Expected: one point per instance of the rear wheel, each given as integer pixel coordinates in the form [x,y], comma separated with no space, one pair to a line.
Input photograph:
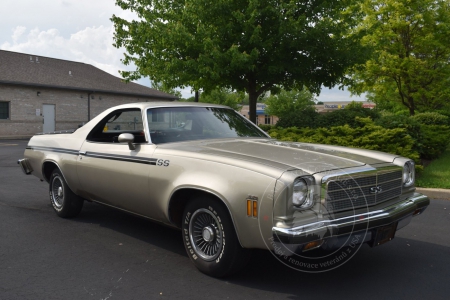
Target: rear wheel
[210,239]
[65,203]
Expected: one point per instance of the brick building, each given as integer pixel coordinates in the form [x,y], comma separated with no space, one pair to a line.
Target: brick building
[331,106]
[261,117]
[41,94]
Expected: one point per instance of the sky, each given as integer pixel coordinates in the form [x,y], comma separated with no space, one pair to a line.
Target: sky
[80,30]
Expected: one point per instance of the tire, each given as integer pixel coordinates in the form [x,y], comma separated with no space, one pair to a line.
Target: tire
[65,203]
[210,239]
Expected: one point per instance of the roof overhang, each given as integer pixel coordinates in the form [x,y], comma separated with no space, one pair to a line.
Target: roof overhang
[170,98]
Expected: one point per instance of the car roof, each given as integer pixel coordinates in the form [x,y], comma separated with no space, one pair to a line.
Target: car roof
[154,104]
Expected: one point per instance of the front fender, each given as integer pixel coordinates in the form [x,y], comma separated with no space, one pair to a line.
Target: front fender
[234,191]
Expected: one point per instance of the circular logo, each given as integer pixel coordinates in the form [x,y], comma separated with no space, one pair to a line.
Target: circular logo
[327,234]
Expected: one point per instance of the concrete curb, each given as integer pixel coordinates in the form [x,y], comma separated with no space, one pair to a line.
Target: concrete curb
[435,193]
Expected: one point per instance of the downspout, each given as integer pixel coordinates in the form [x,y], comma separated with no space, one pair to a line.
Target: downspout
[89,105]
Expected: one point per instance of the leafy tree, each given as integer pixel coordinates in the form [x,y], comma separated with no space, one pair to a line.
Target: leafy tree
[294,108]
[386,100]
[320,103]
[252,46]
[355,106]
[190,99]
[164,88]
[411,52]
[286,102]
[223,96]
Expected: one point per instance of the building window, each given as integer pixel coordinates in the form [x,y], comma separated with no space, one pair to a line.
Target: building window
[4,110]
[267,120]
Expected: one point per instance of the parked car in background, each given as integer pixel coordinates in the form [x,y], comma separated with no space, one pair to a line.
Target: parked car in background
[223,182]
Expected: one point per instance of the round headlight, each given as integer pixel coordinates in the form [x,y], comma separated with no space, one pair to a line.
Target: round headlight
[300,193]
[408,174]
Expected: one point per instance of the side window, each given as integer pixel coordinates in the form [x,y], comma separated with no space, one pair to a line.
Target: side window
[125,121]
[116,123]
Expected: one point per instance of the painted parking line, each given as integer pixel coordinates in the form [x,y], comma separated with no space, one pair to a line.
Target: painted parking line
[8,144]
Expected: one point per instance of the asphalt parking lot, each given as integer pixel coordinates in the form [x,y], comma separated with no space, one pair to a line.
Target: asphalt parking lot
[107,254]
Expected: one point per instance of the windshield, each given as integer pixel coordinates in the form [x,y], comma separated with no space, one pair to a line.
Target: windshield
[176,124]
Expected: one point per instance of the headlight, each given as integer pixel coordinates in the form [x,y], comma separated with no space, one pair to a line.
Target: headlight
[408,174]
[302,195]
[300,192]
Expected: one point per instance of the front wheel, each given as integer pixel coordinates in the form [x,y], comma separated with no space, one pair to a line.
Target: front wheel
[210,239]
[65,203]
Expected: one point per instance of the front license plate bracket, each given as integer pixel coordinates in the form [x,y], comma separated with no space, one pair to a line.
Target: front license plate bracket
[384,234]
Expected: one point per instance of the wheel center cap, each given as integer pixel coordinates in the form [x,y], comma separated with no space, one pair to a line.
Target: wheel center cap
[60,192]
[208,234]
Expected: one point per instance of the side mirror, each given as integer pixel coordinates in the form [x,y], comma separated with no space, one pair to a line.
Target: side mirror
[127,138]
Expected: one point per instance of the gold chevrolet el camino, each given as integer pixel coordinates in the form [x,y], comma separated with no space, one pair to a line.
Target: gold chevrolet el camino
[226,184]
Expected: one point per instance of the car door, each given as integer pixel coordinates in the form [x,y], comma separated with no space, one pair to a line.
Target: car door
[109,171]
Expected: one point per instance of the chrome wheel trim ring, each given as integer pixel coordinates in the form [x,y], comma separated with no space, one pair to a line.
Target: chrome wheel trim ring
[57,192]
[205,234]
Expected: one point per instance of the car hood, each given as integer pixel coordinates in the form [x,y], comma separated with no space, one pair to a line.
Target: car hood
[312,158]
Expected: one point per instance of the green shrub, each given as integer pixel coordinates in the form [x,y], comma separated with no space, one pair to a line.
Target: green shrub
[391,121]
[345,117]
[429,140]
[431,118]
[445,113]
[403,112]
[434,140]
[298,118]
[425,135]
[265,127]
[366,135]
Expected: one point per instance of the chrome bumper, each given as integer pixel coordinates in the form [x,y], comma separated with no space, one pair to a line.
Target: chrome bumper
[401,213]
[25,165]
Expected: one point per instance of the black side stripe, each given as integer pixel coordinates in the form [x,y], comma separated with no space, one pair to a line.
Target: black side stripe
[127,158]
[133,159]
[59,150]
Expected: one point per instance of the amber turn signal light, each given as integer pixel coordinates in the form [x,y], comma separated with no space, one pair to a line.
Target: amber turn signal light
[313,245]
[252,208]
[249,208]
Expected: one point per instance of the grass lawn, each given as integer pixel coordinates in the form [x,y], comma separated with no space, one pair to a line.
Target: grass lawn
[437,173]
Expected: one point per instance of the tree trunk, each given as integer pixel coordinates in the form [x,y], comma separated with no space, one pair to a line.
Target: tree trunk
[411,106]
[252,99]
[196,96]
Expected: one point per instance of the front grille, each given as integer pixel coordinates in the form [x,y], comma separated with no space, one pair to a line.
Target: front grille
[363,191]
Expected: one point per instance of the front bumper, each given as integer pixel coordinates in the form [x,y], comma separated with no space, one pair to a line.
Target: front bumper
[334,232]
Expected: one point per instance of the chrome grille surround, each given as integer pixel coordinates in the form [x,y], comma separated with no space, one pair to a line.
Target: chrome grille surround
[365,189]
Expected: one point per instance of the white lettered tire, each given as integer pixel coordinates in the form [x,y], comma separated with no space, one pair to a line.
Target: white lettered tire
[210,239]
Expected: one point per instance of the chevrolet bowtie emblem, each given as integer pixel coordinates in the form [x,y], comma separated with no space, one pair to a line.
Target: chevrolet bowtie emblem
[375,190]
